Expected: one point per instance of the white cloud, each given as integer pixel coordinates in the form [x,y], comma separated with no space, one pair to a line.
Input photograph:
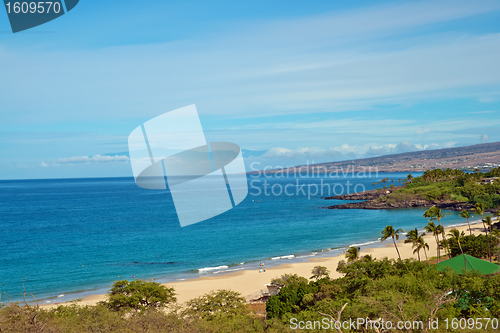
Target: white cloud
[423,130]
[426,146]
[325,63]
[346,151]
[449,144]
[304,153]
[487,99]
[43,165]
[485,138]
[95,159]
[402,147]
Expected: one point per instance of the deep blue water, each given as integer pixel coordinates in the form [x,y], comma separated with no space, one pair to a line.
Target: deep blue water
[79,235]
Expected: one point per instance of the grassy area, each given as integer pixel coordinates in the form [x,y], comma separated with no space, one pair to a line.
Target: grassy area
[450,185]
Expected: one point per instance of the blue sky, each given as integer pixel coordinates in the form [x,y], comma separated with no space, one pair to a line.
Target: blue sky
[303,81]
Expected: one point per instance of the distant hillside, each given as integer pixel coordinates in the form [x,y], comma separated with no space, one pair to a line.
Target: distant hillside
[483,156]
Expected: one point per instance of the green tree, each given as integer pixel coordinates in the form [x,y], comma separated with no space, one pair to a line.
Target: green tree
[437,213]
[422,245]
[139,295]
[497,215]
[476,246]
[389,231]
[488,221]
[466,215]
[215,304]
[352,253]
[480,208]
[319,272]
[288,279]
[435,230]
[496,233]
[455,234]
[412,237]
[409,177]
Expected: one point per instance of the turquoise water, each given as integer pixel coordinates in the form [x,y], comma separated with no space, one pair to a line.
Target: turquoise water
[77,236]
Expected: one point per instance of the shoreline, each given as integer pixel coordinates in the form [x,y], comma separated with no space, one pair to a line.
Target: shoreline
[251,283]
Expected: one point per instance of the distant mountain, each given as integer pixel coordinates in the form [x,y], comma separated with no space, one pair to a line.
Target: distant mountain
[482,156]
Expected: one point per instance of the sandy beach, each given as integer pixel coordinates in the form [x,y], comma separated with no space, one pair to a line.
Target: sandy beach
[251,283]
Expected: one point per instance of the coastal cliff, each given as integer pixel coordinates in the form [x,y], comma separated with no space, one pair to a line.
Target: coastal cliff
[382,199]
[447,189]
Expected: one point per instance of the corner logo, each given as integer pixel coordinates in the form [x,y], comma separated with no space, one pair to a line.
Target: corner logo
[205,179]
[25,15]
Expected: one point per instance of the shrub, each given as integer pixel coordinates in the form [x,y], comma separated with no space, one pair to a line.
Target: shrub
[319,272]
[215,304]
[287,279]
[476,246]
[139,295]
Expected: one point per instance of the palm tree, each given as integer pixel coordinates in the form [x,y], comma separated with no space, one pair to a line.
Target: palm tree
[496,233]
[497,215]
[435,230]
[389,231]
[445,245]
[409,177]
[422,245]
[488,221]
[454,233]
[466,215]
[352,254]
[437,213]
[480,208]
[412,237]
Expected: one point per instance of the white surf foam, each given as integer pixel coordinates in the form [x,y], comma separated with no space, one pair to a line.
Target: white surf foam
[208,269]
[290,256]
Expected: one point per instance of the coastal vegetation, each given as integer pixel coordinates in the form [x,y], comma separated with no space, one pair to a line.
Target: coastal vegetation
[435,230]
[218,311]
[417,241]
[377,290]
[390,290]
[390,232]
[352,253]
[454,185]
[476,246]
[444,188]
[139,295]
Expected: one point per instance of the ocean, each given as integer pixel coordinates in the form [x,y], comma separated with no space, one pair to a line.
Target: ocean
[67,238]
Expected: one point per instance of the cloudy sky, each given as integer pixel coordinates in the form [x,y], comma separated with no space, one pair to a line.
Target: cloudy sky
[294,81]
